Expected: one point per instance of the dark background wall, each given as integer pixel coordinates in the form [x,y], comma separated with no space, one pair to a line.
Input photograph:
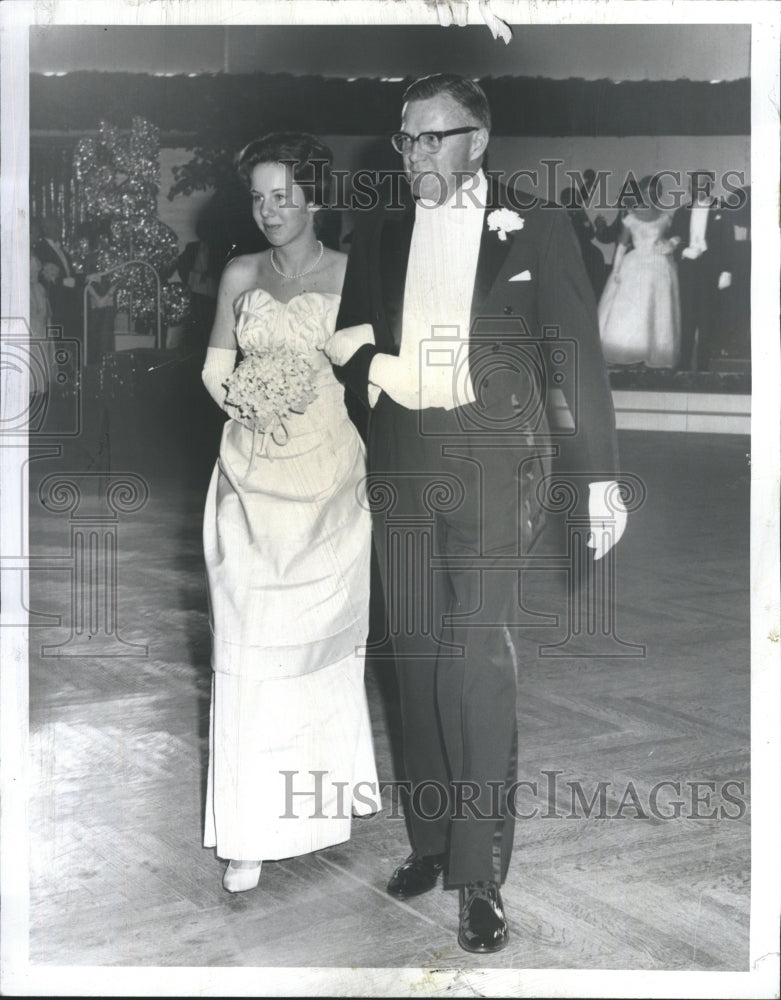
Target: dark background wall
[612,97]
[592,52]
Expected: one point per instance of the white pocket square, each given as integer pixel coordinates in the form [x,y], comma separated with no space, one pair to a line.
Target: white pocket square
[523,276]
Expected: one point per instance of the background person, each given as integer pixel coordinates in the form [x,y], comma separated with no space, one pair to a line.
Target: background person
[705,255]
[639,312]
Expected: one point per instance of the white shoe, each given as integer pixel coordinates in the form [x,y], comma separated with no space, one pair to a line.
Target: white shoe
[241,879]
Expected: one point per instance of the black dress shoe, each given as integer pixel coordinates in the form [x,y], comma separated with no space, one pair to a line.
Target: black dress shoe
[416,875]
[482,925]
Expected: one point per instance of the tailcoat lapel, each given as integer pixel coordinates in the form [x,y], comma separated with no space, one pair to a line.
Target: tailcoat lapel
[493,251]
[394,253]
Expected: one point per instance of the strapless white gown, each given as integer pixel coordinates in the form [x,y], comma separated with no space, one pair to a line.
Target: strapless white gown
[287,550]
[640,312]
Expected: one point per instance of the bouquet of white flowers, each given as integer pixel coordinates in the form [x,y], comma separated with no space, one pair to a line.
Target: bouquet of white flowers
[268,386]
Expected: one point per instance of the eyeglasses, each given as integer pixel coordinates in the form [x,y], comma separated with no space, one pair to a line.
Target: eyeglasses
[430,142]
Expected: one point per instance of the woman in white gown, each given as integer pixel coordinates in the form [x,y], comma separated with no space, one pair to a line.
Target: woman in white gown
[287,547]
[639,311]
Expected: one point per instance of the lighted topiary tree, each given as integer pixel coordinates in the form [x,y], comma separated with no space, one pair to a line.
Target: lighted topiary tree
[117,177]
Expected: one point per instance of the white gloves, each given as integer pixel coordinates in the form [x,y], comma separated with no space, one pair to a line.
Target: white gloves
[402,378]
[341,346]
[219,365]
[386,372]
[607,516]
[607,513]
[397,379]
[692,252]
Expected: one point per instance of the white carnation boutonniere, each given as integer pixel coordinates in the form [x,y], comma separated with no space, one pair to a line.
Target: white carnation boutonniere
[504,221]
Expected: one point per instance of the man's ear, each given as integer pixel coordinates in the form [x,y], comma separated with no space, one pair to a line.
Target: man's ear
[479,143]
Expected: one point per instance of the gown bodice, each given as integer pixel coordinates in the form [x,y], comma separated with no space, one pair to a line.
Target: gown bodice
[304,324]
[648,235]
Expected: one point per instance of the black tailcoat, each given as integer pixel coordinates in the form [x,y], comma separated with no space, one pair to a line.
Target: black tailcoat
[456,494]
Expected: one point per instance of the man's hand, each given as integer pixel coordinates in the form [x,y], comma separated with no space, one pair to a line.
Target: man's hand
[725,280]
[396,379]
[341,346]
[607,516]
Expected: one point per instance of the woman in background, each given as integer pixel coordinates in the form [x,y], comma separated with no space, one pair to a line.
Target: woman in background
[286,542]
[639,311]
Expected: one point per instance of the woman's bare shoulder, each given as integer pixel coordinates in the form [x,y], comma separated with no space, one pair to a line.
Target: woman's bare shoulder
[242,272]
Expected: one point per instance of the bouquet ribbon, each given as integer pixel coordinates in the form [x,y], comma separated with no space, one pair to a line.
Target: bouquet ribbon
[266,438]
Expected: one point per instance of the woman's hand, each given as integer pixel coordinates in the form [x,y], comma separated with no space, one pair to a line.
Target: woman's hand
[343,344]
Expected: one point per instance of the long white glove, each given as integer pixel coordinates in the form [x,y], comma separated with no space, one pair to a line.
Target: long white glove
[219,364]
[607,516]
[386,371]
[341,346]
[397,378]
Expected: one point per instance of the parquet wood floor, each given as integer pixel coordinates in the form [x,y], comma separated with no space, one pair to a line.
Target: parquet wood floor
[118,756]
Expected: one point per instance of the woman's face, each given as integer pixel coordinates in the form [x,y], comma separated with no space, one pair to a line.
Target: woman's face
[279,205]
[645,194]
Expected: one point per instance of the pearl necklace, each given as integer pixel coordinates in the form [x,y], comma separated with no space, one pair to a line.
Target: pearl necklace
[300,274]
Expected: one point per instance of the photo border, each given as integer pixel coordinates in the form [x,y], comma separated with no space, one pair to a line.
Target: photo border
[19,977]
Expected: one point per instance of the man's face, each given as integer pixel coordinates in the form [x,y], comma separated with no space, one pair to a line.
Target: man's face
[701,186]
[437,175]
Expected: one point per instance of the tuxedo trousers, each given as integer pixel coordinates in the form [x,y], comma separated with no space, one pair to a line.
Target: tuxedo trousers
[446,534]
[698,282]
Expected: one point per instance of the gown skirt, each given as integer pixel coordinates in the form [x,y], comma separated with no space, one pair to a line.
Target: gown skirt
[287,551]
[639,311]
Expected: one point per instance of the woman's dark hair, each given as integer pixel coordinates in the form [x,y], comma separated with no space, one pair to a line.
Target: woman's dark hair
[462,90]
[308,158]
